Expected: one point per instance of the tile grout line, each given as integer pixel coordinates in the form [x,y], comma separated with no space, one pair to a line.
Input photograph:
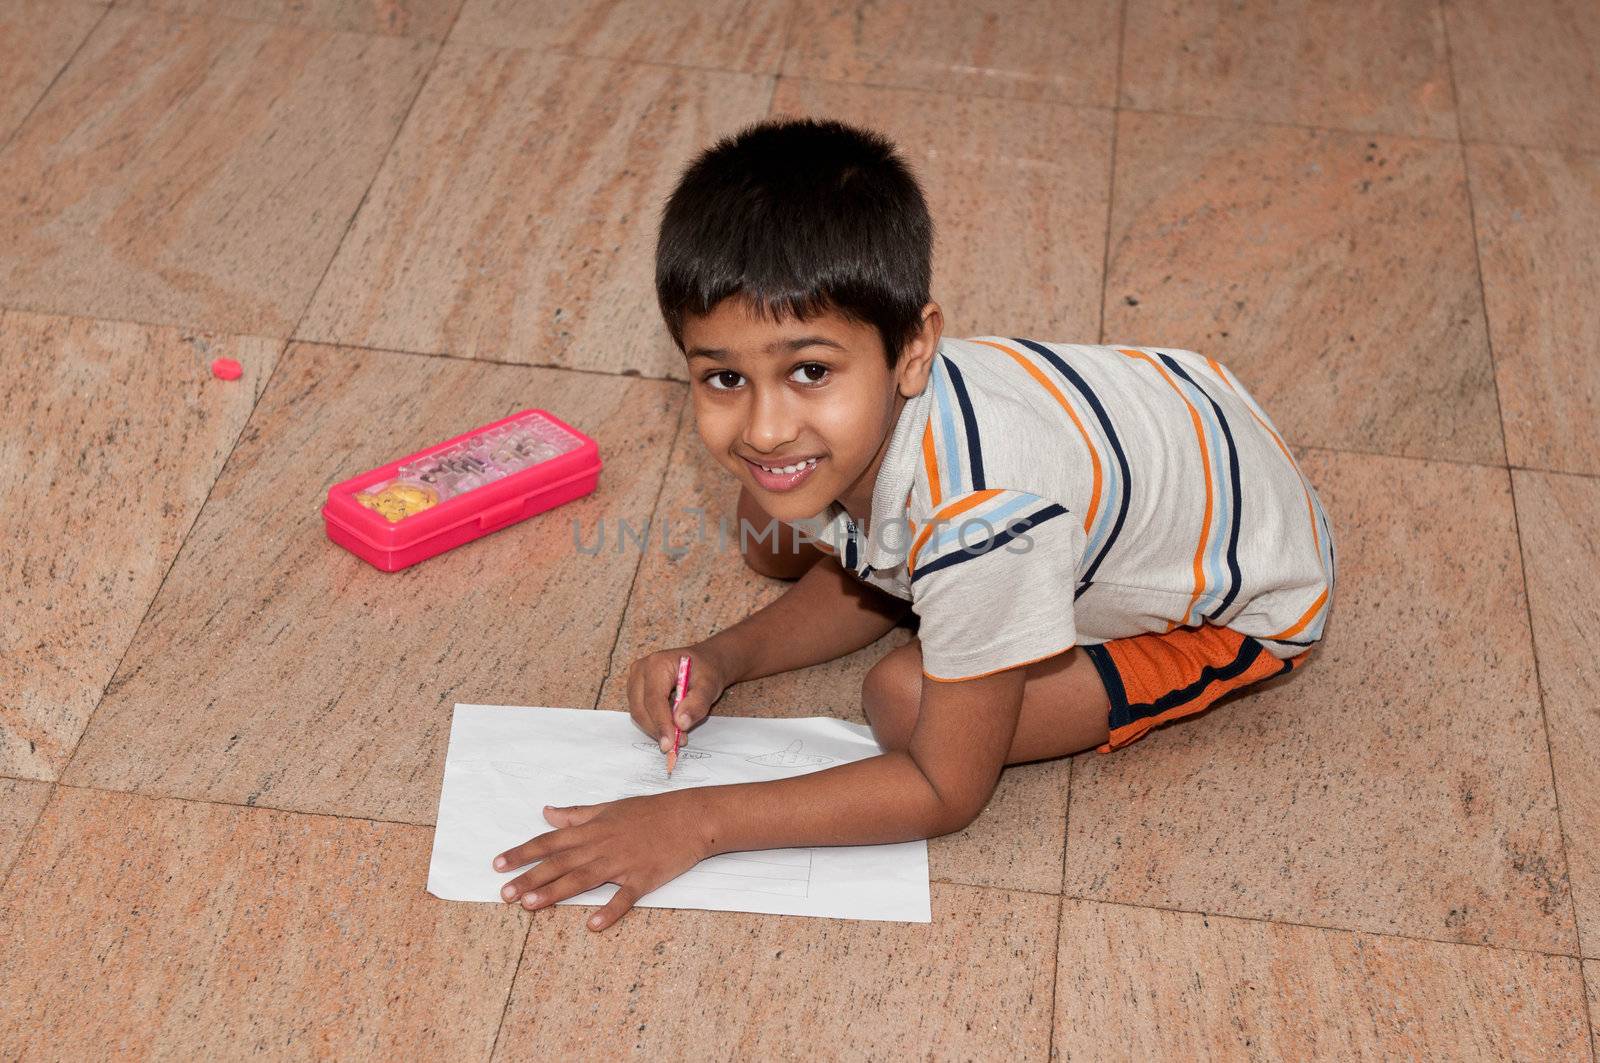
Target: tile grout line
[1296,445]
[1100,337]
[51,86]
[1516,523]
[27,835]
[1576,957]
[655,509]
[377,171]
[244,427]
[622,615]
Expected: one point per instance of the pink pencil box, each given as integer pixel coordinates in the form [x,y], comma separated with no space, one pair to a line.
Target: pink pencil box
[462,489]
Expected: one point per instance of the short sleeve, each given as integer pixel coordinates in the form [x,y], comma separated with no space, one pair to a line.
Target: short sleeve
[992,582]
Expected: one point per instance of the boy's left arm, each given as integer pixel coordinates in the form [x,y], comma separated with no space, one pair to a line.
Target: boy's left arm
[938,785]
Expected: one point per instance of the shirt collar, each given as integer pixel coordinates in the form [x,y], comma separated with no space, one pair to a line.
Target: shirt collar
[890,538]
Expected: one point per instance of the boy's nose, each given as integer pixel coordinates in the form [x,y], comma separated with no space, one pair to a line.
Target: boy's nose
[771,426]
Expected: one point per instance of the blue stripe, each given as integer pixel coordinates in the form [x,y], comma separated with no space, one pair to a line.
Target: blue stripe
[1234,497]
[974,450]
[951,472]
[994,543]
[1123,476]
[992,517]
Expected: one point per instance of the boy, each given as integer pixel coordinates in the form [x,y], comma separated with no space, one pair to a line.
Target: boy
[1095,540]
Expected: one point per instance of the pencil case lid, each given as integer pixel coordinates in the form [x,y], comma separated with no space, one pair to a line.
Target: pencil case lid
[485,477]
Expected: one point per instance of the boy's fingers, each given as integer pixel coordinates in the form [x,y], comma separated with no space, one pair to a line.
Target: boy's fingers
[614,908]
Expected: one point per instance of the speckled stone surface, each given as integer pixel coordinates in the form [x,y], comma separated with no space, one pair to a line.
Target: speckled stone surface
[1369,65]
[1018,195]
[1138,983]
[20,804]
[665,984]
[1538,217]
[703,586]
[743,35]
[277,668]
[1560,521]
[182,930]
[37,37]
[113,434]
[1399,782]
[1333,272]
[1024,49]
[401,18]
[1527,73]
[516,217]
[198,172]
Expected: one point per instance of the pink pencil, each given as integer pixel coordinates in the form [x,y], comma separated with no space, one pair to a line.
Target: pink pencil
[683,688]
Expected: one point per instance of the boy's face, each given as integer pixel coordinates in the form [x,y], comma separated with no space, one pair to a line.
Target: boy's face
[818,394]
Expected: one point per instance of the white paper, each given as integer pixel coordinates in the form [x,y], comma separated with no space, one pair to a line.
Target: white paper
[505,764]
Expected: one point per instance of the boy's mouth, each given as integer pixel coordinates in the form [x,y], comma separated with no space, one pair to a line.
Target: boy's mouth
[783,477]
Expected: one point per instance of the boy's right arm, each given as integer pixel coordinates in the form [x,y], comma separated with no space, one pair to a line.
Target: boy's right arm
[827,613]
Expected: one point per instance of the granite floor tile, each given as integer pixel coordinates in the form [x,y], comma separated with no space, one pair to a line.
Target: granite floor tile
[1024,49]
[1370,65]
[114,434]
[741,35]
[1527,73]
[973,984]
[399,18]
[703,586]
[1333,272]
[154,929]
[37,37]
[1559,520]
[1399,782]
[1142,983]
[20,804]
[516,217]
[198,172]
[277,668]
[1538,219]
[1018,194]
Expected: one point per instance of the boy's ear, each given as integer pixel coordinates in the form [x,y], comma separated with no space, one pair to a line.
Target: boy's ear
[916,360]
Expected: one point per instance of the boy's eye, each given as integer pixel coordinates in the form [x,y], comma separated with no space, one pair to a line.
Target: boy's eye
[711,379]
[812,373]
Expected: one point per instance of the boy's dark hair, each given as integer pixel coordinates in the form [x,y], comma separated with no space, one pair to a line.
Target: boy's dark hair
[799,216]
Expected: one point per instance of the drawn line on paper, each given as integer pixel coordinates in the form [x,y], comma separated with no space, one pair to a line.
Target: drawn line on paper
[791,756]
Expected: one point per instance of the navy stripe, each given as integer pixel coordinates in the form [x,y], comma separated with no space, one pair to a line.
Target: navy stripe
[974,451]
[1293,642]
[965,553]
[1089,396]
[1238,496]
[1111,679]
[1249,650]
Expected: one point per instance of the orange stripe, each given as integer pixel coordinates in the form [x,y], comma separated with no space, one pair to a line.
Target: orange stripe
[966,503]
[1094,455]
[930,463]
[1311,512]
[1205,465]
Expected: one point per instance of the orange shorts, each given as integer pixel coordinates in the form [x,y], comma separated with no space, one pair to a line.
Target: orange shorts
[1153,679]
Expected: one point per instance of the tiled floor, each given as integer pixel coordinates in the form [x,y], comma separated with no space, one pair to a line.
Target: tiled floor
[221,737]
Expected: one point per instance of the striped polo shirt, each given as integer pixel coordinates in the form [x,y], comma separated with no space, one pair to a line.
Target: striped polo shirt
[1037,496]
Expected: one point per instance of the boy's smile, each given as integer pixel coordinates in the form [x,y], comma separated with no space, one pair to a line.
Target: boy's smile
[798,411]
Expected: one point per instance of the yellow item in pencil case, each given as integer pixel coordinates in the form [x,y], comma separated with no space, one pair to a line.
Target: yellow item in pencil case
[399,500]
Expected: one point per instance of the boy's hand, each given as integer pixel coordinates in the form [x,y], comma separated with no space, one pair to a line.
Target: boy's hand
[639,843]
[653,679]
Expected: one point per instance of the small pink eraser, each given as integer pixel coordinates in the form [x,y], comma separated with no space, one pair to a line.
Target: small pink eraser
[226,369]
